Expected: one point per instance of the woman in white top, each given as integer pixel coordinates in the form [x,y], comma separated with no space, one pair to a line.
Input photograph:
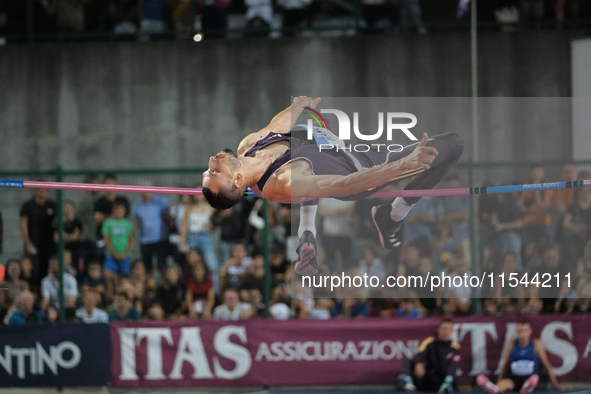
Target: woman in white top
[196,231]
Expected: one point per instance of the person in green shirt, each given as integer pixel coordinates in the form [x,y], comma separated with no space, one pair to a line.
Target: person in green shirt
[118,237]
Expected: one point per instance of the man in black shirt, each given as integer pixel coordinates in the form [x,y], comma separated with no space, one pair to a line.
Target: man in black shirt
[36,225]
[434,368]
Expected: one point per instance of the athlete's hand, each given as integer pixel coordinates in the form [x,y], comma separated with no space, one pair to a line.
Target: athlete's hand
[305,101]
[421,157]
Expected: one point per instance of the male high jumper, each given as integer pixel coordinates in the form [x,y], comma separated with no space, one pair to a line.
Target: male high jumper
[283,166]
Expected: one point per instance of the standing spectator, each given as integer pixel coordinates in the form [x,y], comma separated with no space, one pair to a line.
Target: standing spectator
[536,208]
[196,231]
[563,198]
[508,221]
[118,238]
[85,214]
[103,206]
[72,234]
[122,309]
[232,223]
[177,213]
[26,313]
[577,225]
[28,274]
[279,264]
[89,313]
[36,226]
[231,309]
[259,15]
[294,13]
[12,283]
[50,287]
[171,294]
[200,295]
[151,215]
[454,211]
[214,19]
[488,204]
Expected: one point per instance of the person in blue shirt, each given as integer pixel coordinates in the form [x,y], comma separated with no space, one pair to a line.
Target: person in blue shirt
[151,215]
[522,359]
[26,314]
[407,309]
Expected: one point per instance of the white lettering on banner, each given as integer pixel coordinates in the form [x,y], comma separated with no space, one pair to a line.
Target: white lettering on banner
[345,125]
[189,349]
[228,349]
[585,353]
[478,333]
[154,338]
[39,358]
[559,347]
[194,355]
[335,350]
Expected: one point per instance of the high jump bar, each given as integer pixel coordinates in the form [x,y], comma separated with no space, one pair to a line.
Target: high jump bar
[378,194]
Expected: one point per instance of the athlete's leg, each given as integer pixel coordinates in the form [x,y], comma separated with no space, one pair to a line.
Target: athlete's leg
[306,263]
[388,218]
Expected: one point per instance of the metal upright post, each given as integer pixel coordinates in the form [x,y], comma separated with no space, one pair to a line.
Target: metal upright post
[60,244]
[266,252]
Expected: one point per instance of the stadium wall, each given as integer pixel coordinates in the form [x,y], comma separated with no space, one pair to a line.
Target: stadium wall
[89,104]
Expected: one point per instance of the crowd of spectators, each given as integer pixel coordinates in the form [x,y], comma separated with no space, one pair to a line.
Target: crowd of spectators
[148,258]
[185,17]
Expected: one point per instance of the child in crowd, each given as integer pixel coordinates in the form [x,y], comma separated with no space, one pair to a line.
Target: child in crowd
[118,237]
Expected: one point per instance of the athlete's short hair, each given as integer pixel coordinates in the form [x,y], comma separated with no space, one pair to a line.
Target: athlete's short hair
[225,198]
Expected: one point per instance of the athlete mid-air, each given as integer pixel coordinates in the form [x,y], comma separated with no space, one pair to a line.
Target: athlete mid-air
[281,165]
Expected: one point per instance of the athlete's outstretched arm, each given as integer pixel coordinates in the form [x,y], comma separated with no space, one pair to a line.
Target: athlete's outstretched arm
[282,122]
[301,187]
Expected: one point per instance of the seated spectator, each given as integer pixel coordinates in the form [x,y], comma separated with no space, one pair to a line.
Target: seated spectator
[350,307]
[563,198]
[26,314]
[508,267]
[583,271]
[12,284]
[154,16]
[520,367]
[370,265]
[294,13]
[321,309]
[418,223]
[280,311]
[28,273]
[551,268]
[434,368]
[231,309]
[122,309]
[118,237]
[259,15]
[257,308]
[94,279]
[154,311]
[577,225]
[89,313]
[139,286]
[235,267]
[454,212]
[459,296]
[200,295]
[194,257]
[254,277]
[408,308]
[171,294]
[279,264]
[50,287]
[52,314]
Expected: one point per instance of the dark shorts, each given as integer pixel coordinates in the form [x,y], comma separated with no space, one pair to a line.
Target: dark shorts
[518,381]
